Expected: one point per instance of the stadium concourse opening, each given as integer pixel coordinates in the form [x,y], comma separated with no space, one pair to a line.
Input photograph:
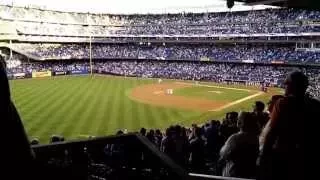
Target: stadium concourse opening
[237,92]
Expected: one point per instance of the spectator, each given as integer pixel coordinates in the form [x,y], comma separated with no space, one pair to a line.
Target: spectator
[56,138]
[272,102]
[229,125]
[191,135]
[181,145]
[196,148]
[240,151]
[16,155]
[150,136]
[259,115]
[158,137]
[283,151]
[143,131]
[167,144]
[119,132]
[212,136]
[34,141]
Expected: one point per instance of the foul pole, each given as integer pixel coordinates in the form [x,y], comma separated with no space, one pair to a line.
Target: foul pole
[90,55]
[90,45]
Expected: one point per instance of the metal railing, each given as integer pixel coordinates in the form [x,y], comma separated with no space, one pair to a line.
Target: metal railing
[212,177]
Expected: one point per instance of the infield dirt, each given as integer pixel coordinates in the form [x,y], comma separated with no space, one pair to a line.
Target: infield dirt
[155,94]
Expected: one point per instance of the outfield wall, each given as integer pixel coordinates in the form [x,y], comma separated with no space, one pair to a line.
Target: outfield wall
[41,74]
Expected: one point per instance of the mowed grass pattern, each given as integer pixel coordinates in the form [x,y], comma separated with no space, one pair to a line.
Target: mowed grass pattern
[213,93]
[79,106]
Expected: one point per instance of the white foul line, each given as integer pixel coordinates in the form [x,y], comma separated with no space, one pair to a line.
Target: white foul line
[237,101]
[221,87]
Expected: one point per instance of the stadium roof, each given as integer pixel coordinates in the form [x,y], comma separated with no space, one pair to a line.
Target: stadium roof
[133,6]
[305,4]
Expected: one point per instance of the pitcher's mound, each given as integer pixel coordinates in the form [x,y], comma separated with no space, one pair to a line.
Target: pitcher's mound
[162,95]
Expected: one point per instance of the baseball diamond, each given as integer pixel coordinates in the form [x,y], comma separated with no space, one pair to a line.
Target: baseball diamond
[105,104]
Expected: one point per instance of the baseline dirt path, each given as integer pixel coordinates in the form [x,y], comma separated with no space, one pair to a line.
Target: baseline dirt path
[155,94]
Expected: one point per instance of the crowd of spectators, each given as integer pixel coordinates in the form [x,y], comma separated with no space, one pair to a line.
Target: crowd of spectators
[39,15]
[55,67]
[35,28]
[204,148]
[42,22]
[205,71]
[264,54]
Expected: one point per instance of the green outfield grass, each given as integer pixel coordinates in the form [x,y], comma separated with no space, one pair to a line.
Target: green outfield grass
[79,106]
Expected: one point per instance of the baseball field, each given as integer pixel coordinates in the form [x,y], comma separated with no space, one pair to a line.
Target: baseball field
[81,106]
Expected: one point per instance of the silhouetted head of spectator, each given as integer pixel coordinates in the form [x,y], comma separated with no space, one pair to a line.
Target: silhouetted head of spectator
[143,131]
[258,107]
[296,84]
[246,123]
[119,132]
[56,138]
[207,125]
[183,132]
[169,132]
[158,132]
[218,123]
[177,130]
[227,116]
[62,138]
[213,122]
[272,101]
[34,141]
[188,131]
[197,132]
[150,133]
[233,115]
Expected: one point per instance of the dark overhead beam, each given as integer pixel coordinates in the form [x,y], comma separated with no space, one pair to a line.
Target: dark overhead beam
[300,4]
[265,2]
